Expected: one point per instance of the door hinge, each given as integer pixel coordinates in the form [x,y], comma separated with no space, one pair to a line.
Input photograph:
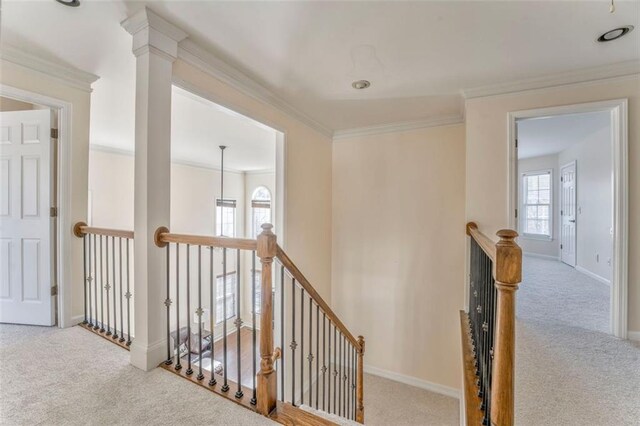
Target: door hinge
[53,212]
[516,213]
[561,179]
[54,133]
[560,246]
[54,290]
[561,213]
[516,142]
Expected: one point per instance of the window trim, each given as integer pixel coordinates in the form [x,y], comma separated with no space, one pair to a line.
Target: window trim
[227,203]
[522,215]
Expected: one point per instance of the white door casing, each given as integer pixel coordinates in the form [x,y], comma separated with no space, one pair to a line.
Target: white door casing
[568,213]
[25,223]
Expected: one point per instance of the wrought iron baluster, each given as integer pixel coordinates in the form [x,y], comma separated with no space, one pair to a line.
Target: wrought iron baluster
[293,344]
[107,287]
[225,384]
[188,255]
[238,323]
[341,373]
[199,312]
[310,356]
[178,331]
[335,371]
[301,345]
[115,309]
[282,319]
[324,360]
[212,307]
[128,296]
[121,294]
[167,303]
[89,280]
[317,354]
[253,326]
[86,277]
[101,286]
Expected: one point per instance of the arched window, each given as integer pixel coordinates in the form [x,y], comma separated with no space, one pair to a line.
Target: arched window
[260,209]
[260,214]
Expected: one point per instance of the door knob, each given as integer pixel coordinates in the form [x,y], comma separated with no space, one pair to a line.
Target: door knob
[572,220]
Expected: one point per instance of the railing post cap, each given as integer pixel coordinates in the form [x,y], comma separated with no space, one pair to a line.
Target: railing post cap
[507,234]
[158,234]
[267,228]
[470,226]
[361,343]
[77,229]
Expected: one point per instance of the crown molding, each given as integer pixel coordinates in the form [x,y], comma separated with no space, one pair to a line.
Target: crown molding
[444,120]
[66,74]
[198,57]
[620,69]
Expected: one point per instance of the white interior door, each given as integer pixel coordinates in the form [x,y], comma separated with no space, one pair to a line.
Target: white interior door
[25,225]
[568,214]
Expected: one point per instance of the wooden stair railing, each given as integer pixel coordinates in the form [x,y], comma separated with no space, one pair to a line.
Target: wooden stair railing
[488,328]
[277,388]
[107,288]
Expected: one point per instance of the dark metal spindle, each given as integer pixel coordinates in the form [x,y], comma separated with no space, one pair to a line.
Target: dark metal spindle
[95,280]
[281,329]
[178,363]
[121,294]
[293,344]
[199,312]
[86,277]
[212,307]
[115,309]
[238,322]
[128,297]
[317,354]
[324,360]
[225,385]
[301,345]
[167,303]
[89,280]
[253,326]
[107,286]
[188,254]
[335,371]
[340,381]
[101,287]
[310,356]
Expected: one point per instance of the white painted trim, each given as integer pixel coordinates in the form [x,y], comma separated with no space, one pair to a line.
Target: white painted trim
[65,128]
[194,55]
[596,277]
[587,75]
[634,335]
[445,120]
[541,256]
[620,166]
[65,74]
[413,381]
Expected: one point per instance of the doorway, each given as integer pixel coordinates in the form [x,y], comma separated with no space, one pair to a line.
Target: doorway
[589,239]
[28,196]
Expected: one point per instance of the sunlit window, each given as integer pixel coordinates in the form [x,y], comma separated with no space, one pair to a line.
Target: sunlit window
[536,208]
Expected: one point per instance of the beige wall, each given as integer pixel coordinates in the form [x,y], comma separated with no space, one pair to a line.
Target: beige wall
[8,104]
[307,181]
[399,247]
[487,162]
[25,79]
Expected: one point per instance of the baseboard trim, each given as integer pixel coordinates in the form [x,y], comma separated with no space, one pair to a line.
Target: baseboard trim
[592,275]
[75,320]
[541,256]
[633,335]
[413,381]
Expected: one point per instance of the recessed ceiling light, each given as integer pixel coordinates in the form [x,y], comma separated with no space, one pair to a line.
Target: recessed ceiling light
[361,84]
[615,34]
[70,3]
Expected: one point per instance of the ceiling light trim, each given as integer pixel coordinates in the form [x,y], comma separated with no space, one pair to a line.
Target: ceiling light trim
[194,55]
[444,120]
[66,74]
[621,69]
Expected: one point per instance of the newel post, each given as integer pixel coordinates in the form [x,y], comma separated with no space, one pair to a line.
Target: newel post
[267,381]
[508,274]
[360,382]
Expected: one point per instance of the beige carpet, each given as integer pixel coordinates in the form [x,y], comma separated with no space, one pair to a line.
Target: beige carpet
[50,376]
[569,371]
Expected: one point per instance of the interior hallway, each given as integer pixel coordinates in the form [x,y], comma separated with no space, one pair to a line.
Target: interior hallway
[568,368]
[69,376]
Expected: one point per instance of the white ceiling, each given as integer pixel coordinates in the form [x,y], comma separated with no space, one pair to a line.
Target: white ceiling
[199,127]
[417,55]
[551,135]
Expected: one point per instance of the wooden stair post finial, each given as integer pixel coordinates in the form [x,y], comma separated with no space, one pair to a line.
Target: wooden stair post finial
[360,382]
[508,274]
[267,249]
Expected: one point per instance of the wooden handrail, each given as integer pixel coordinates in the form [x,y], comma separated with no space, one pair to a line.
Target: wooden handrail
[486,243]
[81,229]
[304,283]
[163,237]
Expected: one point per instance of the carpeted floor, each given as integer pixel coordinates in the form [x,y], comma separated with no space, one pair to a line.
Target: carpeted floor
[569,371]
[50,376]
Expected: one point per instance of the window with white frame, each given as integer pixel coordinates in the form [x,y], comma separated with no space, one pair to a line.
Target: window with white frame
[226,217]
[228,296]
[260,209]
[536,204]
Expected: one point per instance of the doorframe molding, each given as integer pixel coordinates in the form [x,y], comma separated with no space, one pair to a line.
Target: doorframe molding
[573,163]
[618,108]
[65,112]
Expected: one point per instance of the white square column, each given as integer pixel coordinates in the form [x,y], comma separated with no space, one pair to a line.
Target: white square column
[155,45]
